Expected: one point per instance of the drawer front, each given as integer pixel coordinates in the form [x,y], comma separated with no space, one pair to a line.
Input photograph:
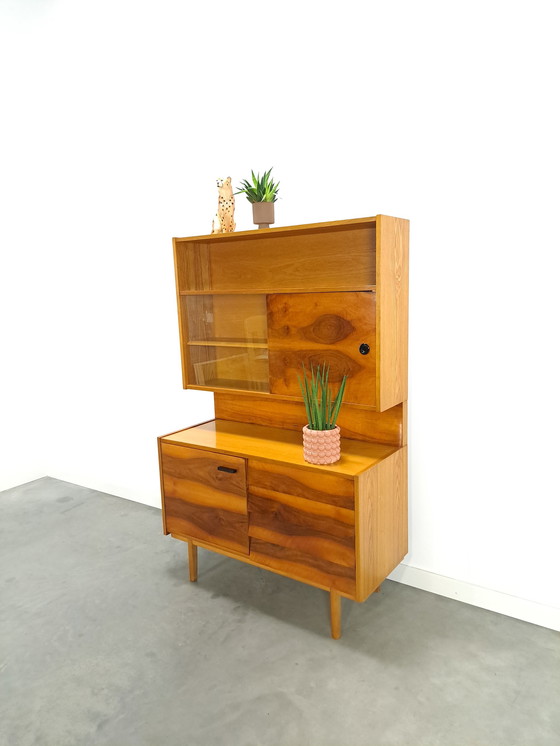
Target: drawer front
[311,484]
[294,532]
[304,567]
[205,496]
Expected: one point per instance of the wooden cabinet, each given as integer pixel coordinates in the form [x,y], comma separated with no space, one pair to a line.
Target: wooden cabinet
[339,527]
[253,308]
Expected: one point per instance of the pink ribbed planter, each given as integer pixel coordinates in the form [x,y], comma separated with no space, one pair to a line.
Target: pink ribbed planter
[321,446]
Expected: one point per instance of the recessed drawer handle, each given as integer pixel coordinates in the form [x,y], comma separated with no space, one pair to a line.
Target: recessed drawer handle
[226,468]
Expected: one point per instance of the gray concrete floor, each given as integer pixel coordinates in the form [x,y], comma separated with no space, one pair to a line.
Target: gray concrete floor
[104,641]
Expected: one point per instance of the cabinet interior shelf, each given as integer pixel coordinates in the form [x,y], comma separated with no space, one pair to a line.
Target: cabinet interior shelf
[241,386]
[268,291]
[228,343]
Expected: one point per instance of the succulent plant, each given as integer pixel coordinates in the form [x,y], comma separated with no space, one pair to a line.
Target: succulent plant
[263,189]
[322,409]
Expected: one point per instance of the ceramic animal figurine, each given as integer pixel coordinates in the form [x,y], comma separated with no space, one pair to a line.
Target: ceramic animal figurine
[223,221]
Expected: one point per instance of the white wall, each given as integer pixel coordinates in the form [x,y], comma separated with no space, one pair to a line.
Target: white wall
[25,242]
[121,114]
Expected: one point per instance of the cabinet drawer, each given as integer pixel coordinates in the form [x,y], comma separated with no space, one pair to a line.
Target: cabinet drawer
[311,538]
[311,484]
[205,496]
[305,567]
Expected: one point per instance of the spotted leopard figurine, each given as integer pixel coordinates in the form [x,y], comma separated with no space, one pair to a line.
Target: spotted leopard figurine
[223,221]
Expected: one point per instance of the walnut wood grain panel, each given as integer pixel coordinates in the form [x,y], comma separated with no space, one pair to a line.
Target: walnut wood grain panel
[356,422]
[250,561]
[296,260]
[344,515]
[381,520]
[316,328]
[220,527]
[200,500]
[192,471]
[294,524]
[317,486]
[392,311]
[302,566]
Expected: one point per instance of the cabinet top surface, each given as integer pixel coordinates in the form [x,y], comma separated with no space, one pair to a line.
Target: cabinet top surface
[285,230]
[275,444]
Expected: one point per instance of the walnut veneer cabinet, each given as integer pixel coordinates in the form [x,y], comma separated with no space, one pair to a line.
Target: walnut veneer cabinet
[253,306]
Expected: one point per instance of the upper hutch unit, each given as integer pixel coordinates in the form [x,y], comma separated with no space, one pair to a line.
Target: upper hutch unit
[254,307]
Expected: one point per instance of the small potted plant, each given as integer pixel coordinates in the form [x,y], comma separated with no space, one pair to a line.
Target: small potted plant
[262,194]
[321,435]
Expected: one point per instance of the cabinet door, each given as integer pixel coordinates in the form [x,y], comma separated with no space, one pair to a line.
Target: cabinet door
[315,328]
[205,496]
[223,339]
[302,523]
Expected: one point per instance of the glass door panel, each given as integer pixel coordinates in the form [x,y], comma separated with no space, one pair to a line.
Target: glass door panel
[226,341]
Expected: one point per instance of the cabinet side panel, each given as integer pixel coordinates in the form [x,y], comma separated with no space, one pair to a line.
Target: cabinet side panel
[381,521]
[179,263]
[165,531]
[404,430]
[192,262]
[358,423]
[392,311]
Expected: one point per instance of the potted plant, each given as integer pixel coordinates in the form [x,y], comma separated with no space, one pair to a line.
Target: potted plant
[321,435]
[262,193]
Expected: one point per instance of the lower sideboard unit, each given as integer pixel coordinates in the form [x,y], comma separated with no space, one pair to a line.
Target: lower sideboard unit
[244,490]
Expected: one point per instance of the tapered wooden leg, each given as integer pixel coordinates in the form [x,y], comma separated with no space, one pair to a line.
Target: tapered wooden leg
[378,589]
[335,615]
[193,562]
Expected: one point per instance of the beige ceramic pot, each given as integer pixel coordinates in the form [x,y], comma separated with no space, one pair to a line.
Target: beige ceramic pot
[321,446]
[263,214]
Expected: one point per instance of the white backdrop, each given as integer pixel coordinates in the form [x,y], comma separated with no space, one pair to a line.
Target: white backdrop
[117,117]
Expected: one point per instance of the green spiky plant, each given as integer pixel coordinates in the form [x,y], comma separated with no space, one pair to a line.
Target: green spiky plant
[322,409]
[263,189]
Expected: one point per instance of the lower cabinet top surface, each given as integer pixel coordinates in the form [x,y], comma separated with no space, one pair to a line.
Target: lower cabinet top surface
[276,444]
